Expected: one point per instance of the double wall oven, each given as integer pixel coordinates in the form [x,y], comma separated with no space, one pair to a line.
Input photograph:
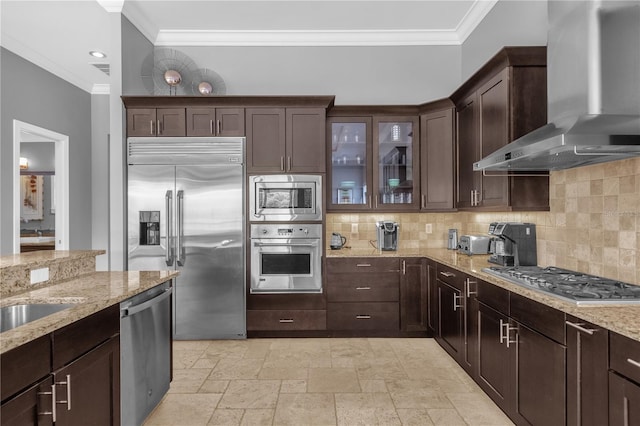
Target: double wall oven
[286,233]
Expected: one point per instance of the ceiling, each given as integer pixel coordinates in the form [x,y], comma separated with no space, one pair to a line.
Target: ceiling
[57,35]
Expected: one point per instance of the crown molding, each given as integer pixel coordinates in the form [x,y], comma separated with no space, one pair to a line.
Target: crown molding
[473,17]
[101,89]
[112,6]
[306,38]
[400,37]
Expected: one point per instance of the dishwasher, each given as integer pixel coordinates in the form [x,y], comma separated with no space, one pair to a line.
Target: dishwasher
[145,352]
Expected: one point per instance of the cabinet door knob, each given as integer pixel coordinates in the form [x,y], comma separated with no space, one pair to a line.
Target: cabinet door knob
[447,274]
[363,316]
[363,288]
[211,127]
[285,321]
[468,283]
[53,403]
[218,127]
[363,265]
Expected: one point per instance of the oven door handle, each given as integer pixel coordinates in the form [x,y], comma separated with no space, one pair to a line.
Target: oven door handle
[256,244]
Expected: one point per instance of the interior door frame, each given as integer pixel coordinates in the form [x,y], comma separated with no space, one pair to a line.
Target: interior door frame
[61,181]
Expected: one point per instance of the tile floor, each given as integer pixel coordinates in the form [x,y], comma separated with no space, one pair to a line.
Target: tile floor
[355,381]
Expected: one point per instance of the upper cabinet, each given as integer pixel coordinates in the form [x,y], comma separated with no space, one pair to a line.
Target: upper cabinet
[287,140]
[437,151]
[504,100]
[373,162]
[156,122]
[207,121]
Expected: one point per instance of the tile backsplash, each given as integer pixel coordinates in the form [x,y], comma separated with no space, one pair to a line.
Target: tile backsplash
[593,225]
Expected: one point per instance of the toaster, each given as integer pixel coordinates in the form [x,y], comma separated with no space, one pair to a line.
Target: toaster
[474,244]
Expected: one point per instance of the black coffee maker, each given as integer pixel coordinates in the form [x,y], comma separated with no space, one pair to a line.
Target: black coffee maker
[387,235]
[513,244]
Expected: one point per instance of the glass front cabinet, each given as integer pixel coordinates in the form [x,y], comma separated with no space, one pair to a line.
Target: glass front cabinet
[374,163]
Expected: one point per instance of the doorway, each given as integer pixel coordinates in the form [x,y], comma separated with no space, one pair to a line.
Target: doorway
[24,133]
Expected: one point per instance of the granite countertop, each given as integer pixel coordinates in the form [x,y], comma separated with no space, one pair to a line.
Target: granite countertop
[622,319]
[91,292]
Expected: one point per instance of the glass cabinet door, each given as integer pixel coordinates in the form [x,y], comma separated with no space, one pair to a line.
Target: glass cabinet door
[396,171]
[350,156]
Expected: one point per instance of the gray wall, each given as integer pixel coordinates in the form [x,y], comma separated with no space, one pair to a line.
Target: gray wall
[135,48]
[100,177]
[509,23]
[35,96]
[369,75]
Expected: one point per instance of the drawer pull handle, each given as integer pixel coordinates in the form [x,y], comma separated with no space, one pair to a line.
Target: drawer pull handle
[633,362]
[363,316]
[53,403]
[363,265]
[285,321]
[363,288]
[447,274]
[579,327]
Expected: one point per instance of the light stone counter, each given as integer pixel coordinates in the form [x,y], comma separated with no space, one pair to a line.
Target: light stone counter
[72,279]
[622,319]
[90,292]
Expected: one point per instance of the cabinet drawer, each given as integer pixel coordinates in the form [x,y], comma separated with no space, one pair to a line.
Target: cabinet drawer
[541,318]
[363,316]
[451,276]
[624,356]
[494,296]
[81,336]
[361,288]
[24,365]
[286,320]
[362,264]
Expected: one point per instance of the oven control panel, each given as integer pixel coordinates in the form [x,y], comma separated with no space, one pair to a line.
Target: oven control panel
[286,231]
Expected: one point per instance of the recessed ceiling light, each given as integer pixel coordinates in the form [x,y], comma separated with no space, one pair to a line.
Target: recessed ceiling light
[97,54]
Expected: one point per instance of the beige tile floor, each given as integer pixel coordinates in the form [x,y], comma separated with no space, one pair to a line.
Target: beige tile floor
[355,381]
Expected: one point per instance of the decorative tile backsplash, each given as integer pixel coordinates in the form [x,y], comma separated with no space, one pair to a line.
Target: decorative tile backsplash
[593,225]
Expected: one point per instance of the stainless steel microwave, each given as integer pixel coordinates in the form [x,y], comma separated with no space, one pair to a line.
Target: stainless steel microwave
[285,198]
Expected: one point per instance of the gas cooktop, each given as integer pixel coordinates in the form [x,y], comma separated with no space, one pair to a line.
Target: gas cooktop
[581,289]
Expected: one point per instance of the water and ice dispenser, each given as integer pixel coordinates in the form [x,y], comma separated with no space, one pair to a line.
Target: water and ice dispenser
[149,228]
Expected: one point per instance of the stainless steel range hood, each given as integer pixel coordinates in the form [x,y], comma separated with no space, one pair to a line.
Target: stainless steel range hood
[593,90]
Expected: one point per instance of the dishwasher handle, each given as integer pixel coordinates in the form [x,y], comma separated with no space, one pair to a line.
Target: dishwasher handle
[132,310]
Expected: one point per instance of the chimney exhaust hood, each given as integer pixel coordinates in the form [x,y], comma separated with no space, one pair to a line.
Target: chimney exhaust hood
[593,90]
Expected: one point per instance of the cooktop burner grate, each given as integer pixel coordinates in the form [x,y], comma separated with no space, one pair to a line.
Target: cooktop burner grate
[576,287]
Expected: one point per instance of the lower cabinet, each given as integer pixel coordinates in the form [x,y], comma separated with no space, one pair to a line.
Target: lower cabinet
[522,370]
[450,284]
[88,389]
[363,294]
[286,320]
[29,408]
[587,373]
[78,377]
[624,379]
[414,295]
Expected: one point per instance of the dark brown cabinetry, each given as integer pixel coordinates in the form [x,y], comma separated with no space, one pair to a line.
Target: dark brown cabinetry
[373,159]
[78,365]
[450,334]
[206,121]
[156,122]
[414,295]
[285,140]
[504,100]
[624,379]
[432,291]
[587,373]
[286,320]
[437,157]
[363,294]
[520,368]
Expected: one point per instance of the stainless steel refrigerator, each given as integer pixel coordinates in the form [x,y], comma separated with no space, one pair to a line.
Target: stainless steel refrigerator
[186,212]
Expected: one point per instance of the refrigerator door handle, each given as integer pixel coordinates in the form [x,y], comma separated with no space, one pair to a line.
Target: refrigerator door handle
[168,198]
[179,231]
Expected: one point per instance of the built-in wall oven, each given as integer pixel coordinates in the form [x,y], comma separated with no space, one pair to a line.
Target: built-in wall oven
[285,198]
[286,258]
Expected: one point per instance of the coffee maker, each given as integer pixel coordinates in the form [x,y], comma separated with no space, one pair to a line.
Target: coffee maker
[513,244]
[387,235]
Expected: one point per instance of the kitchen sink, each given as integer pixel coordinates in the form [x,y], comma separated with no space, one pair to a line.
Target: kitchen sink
[17,315]
[32,240]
